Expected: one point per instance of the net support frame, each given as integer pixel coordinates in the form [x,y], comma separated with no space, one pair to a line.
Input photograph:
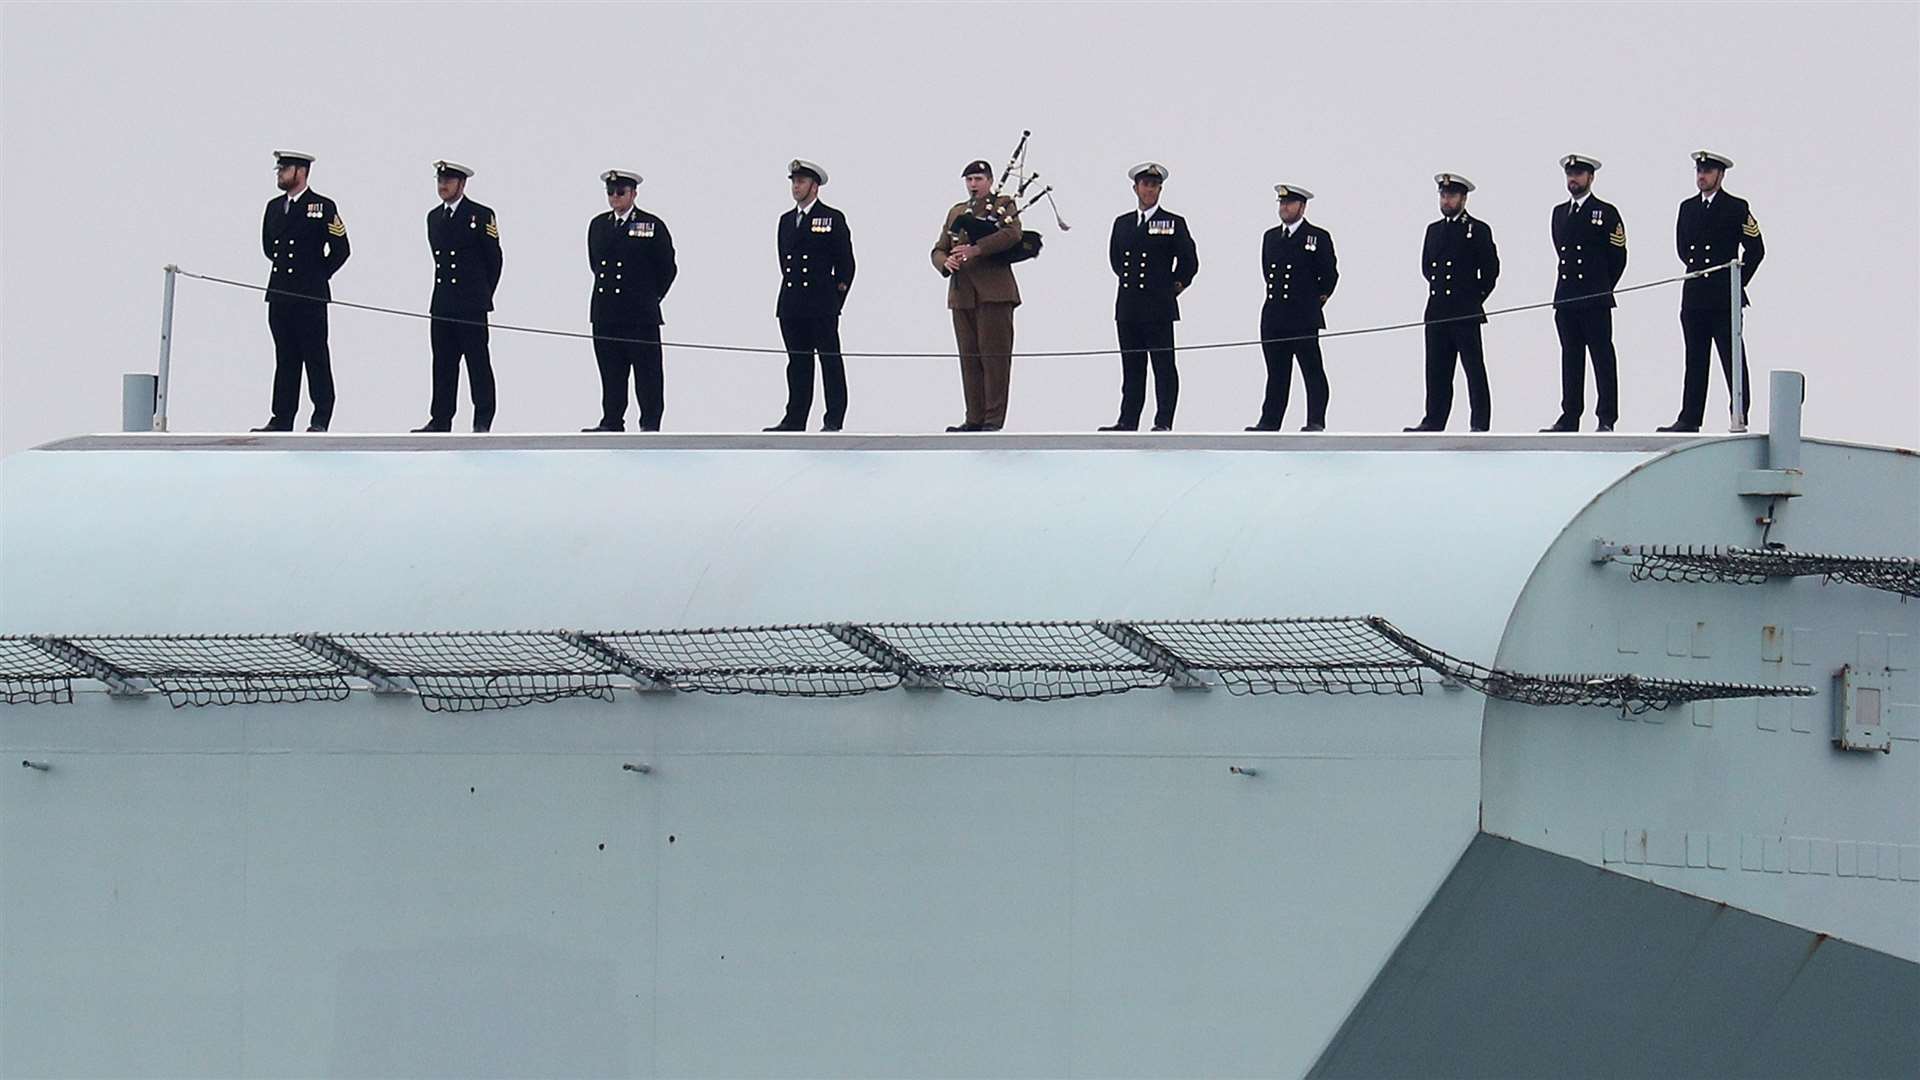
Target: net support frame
[118,681]
[352,663]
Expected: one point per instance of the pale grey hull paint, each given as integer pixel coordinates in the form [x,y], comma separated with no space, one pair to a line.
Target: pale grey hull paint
[902,884]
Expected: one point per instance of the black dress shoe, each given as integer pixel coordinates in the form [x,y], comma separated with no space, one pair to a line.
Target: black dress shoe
[1678,427]
[1423,427]
[1561,427]
[317,428]
[1478,430]
[1120,427]
[431,427]
[1313,427]
[482,429]
[605,427]
[271,426]
[967,427]
[1163,427]
[646,427]
[991,427]
[829,427]
[785,426]
[1603,426]
[1263,427]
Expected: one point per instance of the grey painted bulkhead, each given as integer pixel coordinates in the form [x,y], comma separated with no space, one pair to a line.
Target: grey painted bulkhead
[1745,801]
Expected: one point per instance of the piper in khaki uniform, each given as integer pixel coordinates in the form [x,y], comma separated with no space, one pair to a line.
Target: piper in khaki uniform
[982,293]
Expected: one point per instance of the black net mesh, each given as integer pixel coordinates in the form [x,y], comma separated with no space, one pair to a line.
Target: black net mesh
[1629,693]
[1292,656]
[1020,661]
[1004,661]
[1752,566]
[462,672]
[222,670]
[29,675]
[791,661]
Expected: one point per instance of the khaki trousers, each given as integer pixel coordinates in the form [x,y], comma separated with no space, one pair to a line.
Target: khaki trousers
[985,336]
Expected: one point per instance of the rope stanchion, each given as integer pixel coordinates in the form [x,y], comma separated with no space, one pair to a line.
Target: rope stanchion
[1055,354]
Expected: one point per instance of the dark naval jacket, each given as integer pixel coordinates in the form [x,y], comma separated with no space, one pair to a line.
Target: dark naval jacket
[816,263]
[466,258]
[1461,266]
[1300,269]
[1592,245]
[633,268]
[1154,260]
[306,241]
[1709,235]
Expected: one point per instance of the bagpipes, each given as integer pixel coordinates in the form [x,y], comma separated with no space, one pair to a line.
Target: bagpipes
[972,229]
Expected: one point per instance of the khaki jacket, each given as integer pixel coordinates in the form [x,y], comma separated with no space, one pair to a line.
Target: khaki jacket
[983,280]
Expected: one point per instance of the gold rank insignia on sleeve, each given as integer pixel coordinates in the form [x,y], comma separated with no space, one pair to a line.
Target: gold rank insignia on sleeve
[1619,236]
[493,228]
[1752,227]
[337,227]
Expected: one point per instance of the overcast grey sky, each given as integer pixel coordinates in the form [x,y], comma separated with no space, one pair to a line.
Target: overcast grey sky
[137,135]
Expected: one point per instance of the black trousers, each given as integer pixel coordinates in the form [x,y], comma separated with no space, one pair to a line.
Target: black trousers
[451,342]
[1141,342]
[1446,343]
[639,357]
[1585,330]
[299,330]
[1704,330]
[1280,356]
[804,336]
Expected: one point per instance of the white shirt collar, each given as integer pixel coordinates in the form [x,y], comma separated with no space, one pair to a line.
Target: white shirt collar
[806,208]
[622,218]
[455,204]
[1581,201]
[1707,197]
[294,195]
[1148,212]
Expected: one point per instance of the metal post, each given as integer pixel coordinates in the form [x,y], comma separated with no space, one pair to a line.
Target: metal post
[136,401]
[166,351]
[1785,392]
[1737,359]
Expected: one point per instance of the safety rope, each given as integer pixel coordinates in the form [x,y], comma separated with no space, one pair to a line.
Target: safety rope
[764,350]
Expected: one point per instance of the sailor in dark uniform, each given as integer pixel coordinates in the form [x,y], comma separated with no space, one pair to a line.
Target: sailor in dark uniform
[1296,256]
[465,238]
[1714,227]
[1152,254]
[304,237]
[1461,265]
[816,269]
[1591,242]
[631,255]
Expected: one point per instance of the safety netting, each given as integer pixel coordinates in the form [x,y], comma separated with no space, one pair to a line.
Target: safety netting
[466,672]
[1631,694]
[1003,661]
[1754,566]
[31,675]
